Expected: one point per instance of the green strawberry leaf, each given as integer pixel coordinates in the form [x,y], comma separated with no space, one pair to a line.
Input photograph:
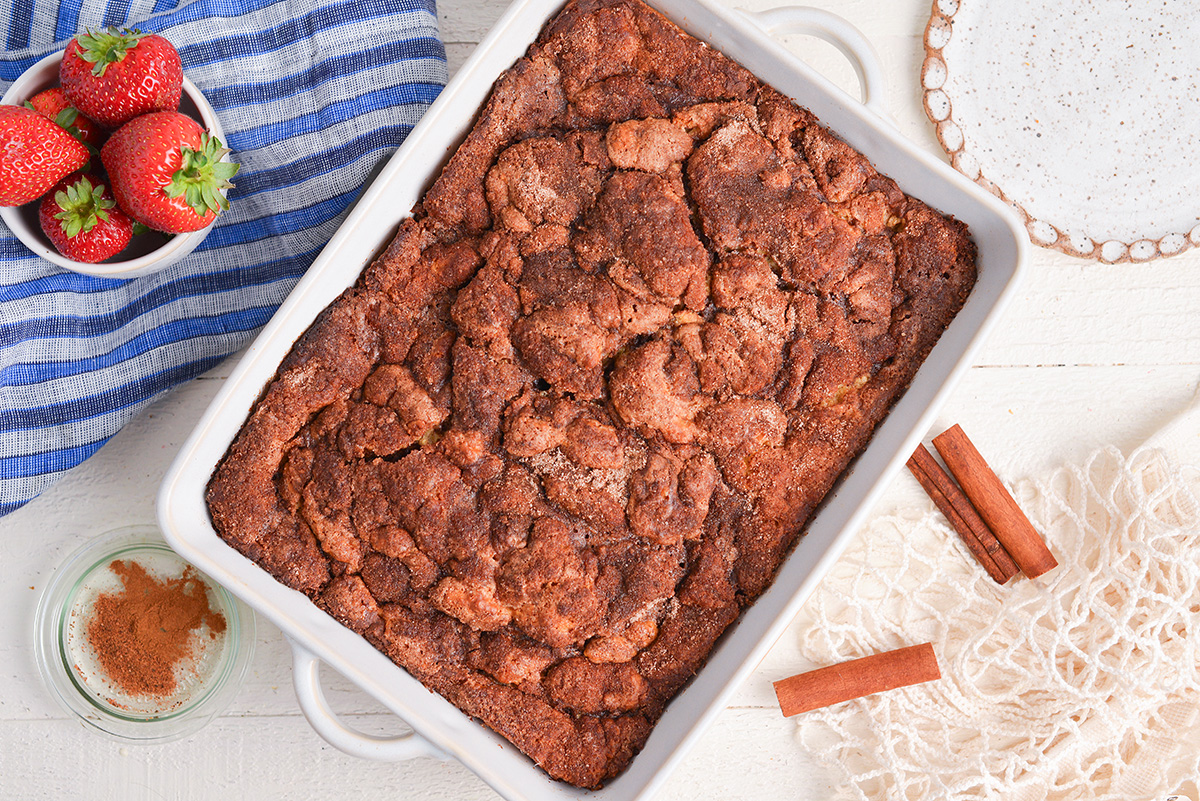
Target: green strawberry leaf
[83,206]
[66,119]
[202,177]
[109,46]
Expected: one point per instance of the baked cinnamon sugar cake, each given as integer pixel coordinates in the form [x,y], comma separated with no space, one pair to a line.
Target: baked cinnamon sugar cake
[563,431]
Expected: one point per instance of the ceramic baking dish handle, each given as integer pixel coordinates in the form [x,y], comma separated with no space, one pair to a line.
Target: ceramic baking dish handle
[839,33]
[306,675]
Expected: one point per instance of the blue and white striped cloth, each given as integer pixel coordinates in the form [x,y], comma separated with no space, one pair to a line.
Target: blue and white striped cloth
[312,95]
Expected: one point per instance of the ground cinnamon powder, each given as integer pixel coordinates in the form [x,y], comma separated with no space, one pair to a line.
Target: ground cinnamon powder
[141,633]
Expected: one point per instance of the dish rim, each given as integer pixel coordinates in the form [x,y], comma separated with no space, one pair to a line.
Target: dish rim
[183,514]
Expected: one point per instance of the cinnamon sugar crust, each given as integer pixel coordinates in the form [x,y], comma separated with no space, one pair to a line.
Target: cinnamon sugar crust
[564,430]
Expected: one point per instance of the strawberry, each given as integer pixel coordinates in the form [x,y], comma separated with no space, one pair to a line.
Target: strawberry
[167,173]
[34,154]
[83,221]
[53,104]
[113,76]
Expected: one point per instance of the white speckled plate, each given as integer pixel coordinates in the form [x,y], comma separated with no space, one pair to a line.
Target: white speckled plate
[1083,114]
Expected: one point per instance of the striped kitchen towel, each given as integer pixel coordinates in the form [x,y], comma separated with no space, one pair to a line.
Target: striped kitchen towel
[312,95]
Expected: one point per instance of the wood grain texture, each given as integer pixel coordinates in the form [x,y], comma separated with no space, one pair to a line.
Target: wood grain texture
[1086,355]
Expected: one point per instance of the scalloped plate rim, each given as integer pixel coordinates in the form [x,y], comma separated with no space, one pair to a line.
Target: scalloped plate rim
[933,55]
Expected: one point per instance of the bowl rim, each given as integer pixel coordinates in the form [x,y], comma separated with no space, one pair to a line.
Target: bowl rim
[25,86]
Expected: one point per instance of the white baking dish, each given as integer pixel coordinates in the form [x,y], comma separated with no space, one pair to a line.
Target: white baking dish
[439,727]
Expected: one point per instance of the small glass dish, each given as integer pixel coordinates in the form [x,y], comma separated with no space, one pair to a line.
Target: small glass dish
[205,681]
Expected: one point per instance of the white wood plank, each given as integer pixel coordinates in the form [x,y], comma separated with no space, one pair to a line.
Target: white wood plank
[251,758]
[468,22]
[281,758]
[456,54]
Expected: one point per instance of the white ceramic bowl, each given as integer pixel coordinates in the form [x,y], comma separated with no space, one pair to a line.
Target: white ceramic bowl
[148,253]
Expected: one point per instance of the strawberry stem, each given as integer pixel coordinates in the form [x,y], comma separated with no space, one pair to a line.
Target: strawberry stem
[101,48]
[83,206]
[202,177]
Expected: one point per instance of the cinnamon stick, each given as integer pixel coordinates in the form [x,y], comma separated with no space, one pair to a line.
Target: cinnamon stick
[963,518]
[994,503]
[854,679]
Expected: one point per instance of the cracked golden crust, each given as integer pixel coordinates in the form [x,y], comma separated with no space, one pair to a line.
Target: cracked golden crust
[567,426]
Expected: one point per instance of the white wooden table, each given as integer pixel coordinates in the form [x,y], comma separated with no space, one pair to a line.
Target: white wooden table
[1088,354]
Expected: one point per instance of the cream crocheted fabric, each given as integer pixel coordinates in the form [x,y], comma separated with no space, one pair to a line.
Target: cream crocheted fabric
[1083,684]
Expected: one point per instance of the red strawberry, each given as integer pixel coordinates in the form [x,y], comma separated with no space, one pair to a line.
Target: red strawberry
[53,104]
[34,154]
[167,173]
[83,221]
[113,76]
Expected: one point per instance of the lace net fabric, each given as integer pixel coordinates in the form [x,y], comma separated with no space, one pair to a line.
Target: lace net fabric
[1080,685]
